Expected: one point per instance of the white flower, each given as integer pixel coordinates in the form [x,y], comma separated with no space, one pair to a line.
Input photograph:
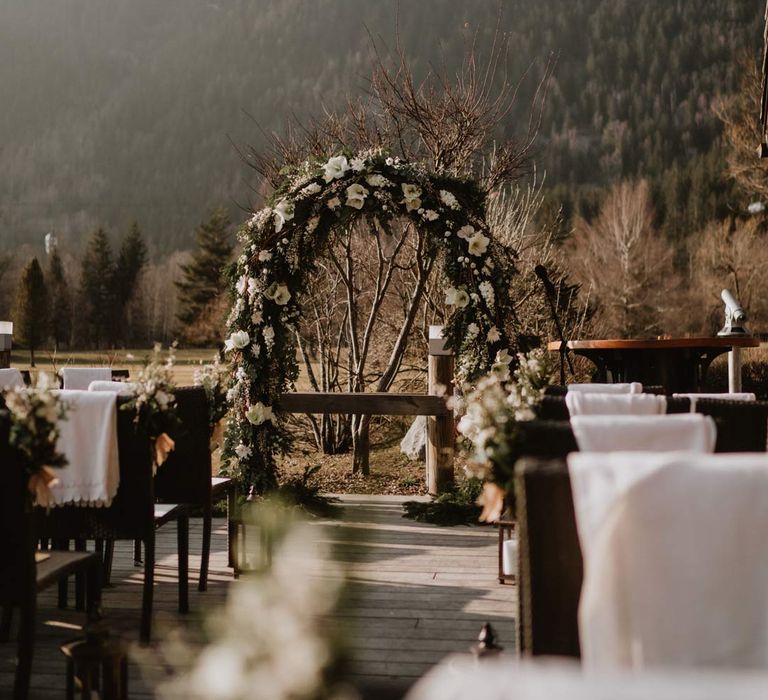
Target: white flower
[449,199]
[237,341]
[335,168]
[333,203]
[486,289]
[312,224]
[278,293]
[265,256]
[478,244]
[311,188]
[390,161]
[456,297]
[430,215]
[493,335]
[377,180]
[253,287]
[269,335]
[242,451]
[259,413]
[356,195]
[357,164]
[241,285]
[283,212]
[466,232]
[411,196]
[257,317]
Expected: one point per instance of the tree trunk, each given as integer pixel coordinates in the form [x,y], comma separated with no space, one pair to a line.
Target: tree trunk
[361,445]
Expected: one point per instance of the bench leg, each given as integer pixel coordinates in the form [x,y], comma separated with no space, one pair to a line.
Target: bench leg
[182,536]
[26,649]
[80,546]
[202,584]
[149,589]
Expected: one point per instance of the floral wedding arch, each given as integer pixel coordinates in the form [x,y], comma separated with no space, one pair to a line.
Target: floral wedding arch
[280,244]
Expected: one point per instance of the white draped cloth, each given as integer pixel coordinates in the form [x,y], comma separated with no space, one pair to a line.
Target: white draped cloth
[675,562]
[88,440]
[124,388]
[80,378]
[588,404]
[10,378]
[462,678]
[597,388]
[690,432]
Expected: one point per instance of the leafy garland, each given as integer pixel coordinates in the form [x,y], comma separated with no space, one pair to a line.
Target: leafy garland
[280,245]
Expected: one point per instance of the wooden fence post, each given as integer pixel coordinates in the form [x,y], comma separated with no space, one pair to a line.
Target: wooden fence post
[440,429]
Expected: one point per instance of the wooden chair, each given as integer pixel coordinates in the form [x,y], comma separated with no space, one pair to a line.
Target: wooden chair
[742,426]
[133,515]
[186,477]
[21,576]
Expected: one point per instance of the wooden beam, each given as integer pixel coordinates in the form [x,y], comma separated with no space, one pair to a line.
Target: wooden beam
[364,403]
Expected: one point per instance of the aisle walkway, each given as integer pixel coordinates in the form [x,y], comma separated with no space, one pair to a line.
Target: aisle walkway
[417,592]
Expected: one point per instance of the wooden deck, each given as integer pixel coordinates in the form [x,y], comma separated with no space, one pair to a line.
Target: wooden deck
[415,594]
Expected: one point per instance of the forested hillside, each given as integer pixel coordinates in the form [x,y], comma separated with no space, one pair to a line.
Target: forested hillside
[123,110]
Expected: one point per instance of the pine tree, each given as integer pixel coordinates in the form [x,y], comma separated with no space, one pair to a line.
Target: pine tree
[31,315]
[97,291]
[60,322]
[130,262]
[203,280]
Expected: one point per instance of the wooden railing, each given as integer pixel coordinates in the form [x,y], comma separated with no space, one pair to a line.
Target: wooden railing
[440,427]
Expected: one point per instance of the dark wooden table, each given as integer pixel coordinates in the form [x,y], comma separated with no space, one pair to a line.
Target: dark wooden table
[677,364]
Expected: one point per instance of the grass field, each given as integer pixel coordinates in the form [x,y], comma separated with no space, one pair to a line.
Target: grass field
[132,360]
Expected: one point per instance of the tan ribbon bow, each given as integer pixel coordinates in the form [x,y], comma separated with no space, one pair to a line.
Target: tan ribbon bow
[164,445]
[39,486]
[492,501]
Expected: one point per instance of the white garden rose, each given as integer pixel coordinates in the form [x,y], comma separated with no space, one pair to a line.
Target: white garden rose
[278,293]
[335,168]
[478,244]
[449,199]
[242,283]
[430,215]
[283,212]
[356,195]
[311,188]
[411,196]
[456,297]
[466,232]
[377,180]
[265,256]
[237,341]
[259,413]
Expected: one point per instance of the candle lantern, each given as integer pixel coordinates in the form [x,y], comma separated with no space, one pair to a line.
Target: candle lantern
[97,666]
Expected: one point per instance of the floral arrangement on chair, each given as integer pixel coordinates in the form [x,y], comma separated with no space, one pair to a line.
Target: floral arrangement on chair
[214,378]
[33,413]
[492,411]
[154,402]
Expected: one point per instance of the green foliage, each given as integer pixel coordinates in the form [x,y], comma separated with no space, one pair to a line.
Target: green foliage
[131,260]
[97,292]
[203,281]
[300,492]
[31,315]
[60,322]
[455,507]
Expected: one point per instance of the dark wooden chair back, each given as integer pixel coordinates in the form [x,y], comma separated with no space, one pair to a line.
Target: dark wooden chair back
[742,426]
[131,515]
[550,563]
[185,477]
[17,563]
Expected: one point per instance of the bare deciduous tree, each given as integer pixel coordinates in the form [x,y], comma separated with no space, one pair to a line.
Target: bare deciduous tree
[625,263]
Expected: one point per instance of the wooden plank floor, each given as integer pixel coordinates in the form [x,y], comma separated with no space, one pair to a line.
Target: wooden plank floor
[415,593]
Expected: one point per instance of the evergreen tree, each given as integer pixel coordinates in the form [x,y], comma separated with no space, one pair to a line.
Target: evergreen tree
[31,315]
[97,291]
[130,262]
[203,279]
[60,321]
